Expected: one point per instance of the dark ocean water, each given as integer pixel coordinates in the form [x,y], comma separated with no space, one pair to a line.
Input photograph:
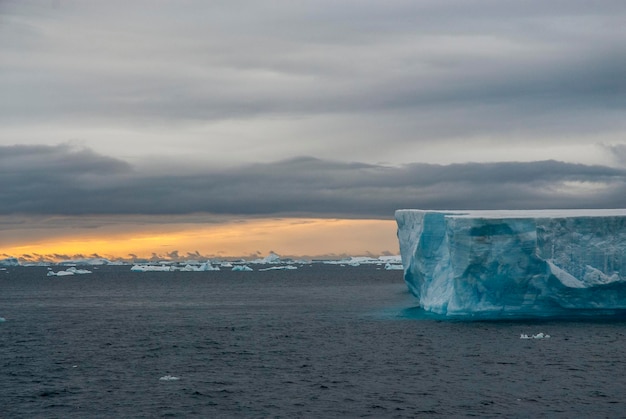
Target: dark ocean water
[320,341]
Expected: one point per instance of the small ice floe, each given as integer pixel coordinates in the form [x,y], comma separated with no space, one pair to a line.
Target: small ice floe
[200,268]
[2,320]
[242,268]
[393,267]
[151,268]
[540,335]
[69,271]
[279,268]
[169,378]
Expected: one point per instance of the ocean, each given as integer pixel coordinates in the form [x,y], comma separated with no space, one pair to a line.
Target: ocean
[317,342]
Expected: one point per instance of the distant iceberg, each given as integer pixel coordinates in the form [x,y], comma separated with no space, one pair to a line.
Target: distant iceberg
[69,271]
[271,258]
[393,267]
[365,260]
[279,268]
[168,267]
[151,268]
[515,263]
[200,268]
[9,262]
[242,268]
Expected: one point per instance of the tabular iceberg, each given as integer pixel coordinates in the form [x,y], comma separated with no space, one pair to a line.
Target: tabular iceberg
[492,264]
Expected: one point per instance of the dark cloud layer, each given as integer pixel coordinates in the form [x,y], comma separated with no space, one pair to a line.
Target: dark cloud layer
[76,181]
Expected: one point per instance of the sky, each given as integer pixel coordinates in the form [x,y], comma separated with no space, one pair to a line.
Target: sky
[233,128]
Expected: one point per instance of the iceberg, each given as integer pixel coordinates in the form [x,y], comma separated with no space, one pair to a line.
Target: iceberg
[279,268]
[206,266]
[494,264]
[355,261]
[242,268]
[151,268]
[271,258]
[11,261]
[70,271]
[166,267]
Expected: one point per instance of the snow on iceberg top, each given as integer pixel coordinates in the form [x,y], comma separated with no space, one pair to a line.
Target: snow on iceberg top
[545,213]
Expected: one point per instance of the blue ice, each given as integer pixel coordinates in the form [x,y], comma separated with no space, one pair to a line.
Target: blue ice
[514,263]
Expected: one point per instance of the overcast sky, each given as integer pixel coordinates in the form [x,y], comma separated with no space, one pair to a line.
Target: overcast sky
[321,108]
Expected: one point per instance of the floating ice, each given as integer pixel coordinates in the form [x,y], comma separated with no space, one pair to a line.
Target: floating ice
[2,320]
[279,268]
[242,268]
[168,267]
[9,262]
[169,378]
[151,268]
[393,267]
[201,268]
[69,271]
[271,258]
[514,263]
[365,260]
[537,336]
[60,273]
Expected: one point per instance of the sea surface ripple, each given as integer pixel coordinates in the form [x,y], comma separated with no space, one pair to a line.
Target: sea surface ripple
[320,341]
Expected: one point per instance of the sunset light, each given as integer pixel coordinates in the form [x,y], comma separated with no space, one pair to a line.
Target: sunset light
[294,237]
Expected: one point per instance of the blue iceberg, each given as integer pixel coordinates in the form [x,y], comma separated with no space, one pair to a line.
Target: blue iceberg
[498,264]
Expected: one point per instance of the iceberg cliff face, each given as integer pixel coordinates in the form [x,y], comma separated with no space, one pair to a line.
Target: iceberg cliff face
[514,263]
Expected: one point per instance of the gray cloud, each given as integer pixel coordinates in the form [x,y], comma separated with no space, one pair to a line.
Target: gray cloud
[618,152]
[75,181]
[426,71]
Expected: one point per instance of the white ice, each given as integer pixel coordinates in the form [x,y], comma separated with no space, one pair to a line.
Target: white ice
[151,268]
[366,260]
[169,378]
[271,258]
[242,268]
[279,268]
[200,268]
[69,272]
[540,335]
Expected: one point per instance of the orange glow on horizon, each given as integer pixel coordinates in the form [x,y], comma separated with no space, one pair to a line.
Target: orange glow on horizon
[291,237]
